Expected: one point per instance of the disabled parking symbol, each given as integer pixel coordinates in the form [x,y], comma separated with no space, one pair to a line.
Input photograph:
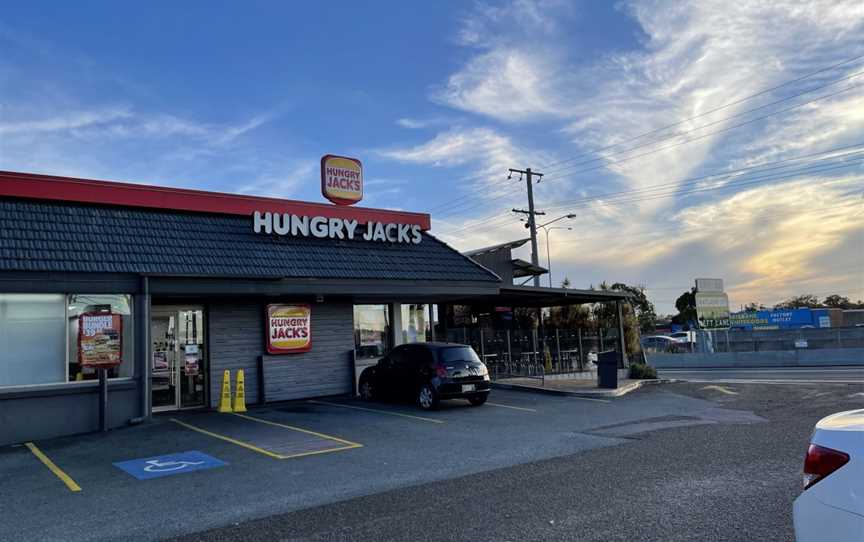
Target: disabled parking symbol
[166,465]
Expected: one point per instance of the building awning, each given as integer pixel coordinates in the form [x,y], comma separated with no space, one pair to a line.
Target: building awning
[529,296]
[521,268]
[510,245]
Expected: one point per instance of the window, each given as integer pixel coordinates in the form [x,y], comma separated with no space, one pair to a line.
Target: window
[39,337]
[32,339]
[419,355]
[371,330]
[98,304]
[415,324]
[457,353]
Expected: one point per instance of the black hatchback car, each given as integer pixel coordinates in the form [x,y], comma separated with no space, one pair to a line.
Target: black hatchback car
[427,373]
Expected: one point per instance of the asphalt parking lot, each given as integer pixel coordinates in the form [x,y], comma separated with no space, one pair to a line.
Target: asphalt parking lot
[294,457]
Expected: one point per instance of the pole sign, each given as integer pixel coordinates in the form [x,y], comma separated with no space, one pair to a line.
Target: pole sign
[289,329]
[100,339]
[712,310]
[341,179]
[712,304]
[709,285]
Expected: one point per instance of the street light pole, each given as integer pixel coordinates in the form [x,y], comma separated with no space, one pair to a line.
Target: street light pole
[546,230]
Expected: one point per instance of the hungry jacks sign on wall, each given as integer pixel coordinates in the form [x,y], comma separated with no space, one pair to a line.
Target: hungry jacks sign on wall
[289,329]
[341,183]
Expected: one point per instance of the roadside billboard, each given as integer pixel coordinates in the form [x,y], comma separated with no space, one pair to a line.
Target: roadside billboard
[712,310]
[782,319]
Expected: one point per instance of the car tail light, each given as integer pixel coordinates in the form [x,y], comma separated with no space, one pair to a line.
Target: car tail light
[820,462]
[441,371]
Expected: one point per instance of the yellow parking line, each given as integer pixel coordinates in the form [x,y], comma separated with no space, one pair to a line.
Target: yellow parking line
[389,413]
[347,443]
[513,407]
[70,483]
[228,439]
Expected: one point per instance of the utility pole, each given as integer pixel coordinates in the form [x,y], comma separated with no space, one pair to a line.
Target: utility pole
[532,222]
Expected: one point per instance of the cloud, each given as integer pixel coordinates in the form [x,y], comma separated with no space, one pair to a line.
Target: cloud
[279,180]
[63,122]
[695,59]
[506,84]
[483,153]
[417,124]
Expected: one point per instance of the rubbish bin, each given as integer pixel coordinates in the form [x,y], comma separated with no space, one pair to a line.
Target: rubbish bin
[607,369]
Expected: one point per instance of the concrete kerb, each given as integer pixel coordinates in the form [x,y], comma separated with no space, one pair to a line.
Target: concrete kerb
[595,393]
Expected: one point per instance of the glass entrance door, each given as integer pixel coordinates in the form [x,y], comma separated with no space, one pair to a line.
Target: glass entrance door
[179,361]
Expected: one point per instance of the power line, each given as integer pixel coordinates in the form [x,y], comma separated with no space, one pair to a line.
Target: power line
[719,108]
[461,202]
[761,168]
[722,226]
[456,208]
[617,197]
[700,137]
[732,184]
[736,184]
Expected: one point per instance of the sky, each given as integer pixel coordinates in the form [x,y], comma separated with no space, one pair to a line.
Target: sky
[688,138]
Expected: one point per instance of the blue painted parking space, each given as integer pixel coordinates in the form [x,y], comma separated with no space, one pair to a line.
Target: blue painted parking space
[167,465]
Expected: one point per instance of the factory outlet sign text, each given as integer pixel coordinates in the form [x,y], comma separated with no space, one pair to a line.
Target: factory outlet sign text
[335,228]
[289,329]
[341,179]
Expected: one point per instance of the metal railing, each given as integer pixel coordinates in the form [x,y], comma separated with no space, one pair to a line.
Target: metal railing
[534,353]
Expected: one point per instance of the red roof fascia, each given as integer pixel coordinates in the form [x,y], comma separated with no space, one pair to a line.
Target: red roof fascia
[49,187]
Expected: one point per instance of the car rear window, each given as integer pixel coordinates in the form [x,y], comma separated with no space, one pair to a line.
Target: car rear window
[457,353]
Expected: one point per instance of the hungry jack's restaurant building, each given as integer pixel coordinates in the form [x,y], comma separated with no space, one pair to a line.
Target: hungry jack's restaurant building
[167,288]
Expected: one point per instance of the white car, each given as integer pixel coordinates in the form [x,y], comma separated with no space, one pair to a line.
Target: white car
[682,336]
[831,508]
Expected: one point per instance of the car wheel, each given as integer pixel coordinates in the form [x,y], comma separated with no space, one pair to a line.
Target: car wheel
[478,400]
[367,392]
[426,398]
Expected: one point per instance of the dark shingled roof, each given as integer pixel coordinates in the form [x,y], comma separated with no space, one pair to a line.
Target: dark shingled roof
[48,236]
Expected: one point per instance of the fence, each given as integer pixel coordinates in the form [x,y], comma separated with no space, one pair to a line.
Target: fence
[771,340]
[536,353]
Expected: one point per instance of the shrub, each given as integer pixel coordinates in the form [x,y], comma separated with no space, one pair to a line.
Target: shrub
[642,370]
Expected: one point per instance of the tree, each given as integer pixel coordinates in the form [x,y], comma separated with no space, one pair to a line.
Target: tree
[571,317]
[799,301]
[753,307]
[837,302]
[645,313]
[686,305]
[606,316]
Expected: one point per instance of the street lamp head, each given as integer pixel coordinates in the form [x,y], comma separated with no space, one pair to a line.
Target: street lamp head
[571,215]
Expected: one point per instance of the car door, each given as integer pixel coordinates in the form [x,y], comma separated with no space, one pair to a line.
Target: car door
[419,366]
[405,371]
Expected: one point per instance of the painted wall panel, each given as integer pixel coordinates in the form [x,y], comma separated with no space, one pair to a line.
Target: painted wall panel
[237,340]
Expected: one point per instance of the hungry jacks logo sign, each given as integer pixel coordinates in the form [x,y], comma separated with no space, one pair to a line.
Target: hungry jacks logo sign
[341,179]
[289,329]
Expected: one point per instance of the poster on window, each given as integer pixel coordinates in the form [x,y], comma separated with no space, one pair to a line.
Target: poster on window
[371,337]
[100,339]
[191,367]
[289,329]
